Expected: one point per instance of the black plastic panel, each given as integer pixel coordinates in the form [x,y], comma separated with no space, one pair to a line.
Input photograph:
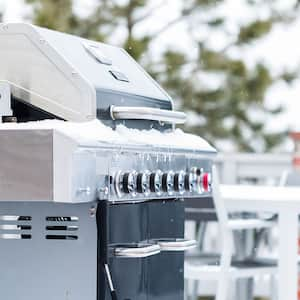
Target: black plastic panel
[165,279]
[166,219]
[107,98]
[200,209]
[128,223]
[25,112]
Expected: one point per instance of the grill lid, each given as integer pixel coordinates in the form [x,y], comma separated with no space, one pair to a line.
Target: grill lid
[74,78]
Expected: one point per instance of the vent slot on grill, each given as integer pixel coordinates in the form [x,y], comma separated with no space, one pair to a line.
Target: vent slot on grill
[61,237]
[56,231]
[13,227]
[62,219]
[64,228]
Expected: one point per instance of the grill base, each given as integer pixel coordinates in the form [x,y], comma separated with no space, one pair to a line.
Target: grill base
[54,251]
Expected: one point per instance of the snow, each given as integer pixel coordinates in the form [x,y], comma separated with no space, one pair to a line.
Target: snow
[96,131]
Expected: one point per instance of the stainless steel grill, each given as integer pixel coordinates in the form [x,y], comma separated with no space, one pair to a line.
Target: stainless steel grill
[89,219]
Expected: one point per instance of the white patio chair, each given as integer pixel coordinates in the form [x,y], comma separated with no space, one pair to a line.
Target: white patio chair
[224,270]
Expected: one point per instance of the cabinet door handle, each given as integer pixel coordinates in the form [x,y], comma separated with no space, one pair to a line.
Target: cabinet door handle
[139,251]
[176,244]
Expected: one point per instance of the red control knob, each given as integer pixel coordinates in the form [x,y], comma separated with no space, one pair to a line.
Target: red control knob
[206,181]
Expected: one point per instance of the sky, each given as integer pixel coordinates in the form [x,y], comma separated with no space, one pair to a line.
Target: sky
[279,50]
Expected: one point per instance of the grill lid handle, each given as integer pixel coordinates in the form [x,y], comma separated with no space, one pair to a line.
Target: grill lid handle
[147,113]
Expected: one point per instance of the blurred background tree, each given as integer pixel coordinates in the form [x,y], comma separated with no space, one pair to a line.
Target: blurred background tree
[1,13]
[232,108]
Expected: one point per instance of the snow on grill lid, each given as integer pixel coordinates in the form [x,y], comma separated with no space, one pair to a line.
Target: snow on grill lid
[96,131]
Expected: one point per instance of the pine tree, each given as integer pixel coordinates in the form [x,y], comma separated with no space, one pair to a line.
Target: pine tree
[234,110]
[1,14]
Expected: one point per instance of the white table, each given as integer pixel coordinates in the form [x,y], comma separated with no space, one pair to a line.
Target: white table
[285,201]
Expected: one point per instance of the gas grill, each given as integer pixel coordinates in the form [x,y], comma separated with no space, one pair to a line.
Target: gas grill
[91,208]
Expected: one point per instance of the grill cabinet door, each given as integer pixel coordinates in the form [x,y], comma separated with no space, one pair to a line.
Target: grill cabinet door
[159,276]
[165,271]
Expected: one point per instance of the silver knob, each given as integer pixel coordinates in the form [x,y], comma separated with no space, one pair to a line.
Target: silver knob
[179,182]
[168,182]
[143,183]
[129,183]
[191,182]
[156,182]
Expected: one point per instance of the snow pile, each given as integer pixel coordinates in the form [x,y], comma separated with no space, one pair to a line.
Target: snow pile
[176,138]
[96,131]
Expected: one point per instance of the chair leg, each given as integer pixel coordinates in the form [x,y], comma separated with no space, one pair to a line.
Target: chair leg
[201,235]
[223,288]
[273,287]
[195,290]
[225,262]
[186,289]
[232,290]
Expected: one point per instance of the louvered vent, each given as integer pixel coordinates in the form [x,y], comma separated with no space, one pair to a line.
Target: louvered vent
[14,227]
[62,228]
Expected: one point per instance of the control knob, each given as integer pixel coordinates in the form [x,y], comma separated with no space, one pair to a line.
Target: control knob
[129,183]
[142,183]
[179,179]
[168,182]
[156,182]
[190,181]
[205,182]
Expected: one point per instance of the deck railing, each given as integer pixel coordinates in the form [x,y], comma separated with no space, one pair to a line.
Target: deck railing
[252,168]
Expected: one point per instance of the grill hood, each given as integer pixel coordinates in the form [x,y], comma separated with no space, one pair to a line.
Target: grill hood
[79,80]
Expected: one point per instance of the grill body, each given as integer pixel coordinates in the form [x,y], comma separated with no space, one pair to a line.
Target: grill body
[98,216]
[62,237]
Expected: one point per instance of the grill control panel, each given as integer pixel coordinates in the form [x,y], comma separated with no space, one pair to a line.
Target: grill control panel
[157,183]
[144,176]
